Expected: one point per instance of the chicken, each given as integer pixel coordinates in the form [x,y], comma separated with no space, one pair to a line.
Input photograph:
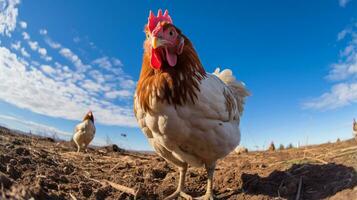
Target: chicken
[84,132]
[190,117]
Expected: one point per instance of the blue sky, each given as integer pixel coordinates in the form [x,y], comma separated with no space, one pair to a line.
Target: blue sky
[58,59]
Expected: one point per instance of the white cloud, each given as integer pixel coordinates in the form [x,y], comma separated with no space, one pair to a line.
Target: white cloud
[341,35]
[69,55]
[103,62]
[91,85]
[120,93]
[8,16]
[33,126]
[127,84]
[43,32]
[347,66]
[25,35]
[343,3]
[47,58]
[56,92]
[16,45]
[33,45]
[42,51]
[345,72]
[111,65]
[23,24]
[52,44]
[117,62]
[341,94]
[24,52]
[76,39]
[48,69]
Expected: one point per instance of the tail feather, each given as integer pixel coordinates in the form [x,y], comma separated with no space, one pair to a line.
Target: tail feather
[237,87]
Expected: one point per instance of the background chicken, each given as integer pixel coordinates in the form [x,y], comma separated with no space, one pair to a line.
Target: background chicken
[84,132]
[355,129]
[190,117]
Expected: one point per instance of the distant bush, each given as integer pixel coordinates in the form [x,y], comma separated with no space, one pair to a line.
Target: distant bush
[272,146]
[290,146]
[108,140]
[281,147]
[240,150]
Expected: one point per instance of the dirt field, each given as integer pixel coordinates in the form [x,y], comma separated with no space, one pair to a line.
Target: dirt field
[44,169]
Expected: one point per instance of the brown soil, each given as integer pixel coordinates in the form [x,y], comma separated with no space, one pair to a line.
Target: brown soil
[31,166]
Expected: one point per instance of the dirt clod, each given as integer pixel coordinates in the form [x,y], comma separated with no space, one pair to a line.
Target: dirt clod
[85,189]
[5,181]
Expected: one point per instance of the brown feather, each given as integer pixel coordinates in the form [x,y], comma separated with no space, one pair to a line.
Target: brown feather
[176,85]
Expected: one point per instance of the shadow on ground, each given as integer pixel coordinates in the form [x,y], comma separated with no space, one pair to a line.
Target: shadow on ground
[317,181]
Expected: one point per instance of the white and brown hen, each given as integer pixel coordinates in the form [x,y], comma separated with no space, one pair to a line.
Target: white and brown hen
[84,132]
[190,117]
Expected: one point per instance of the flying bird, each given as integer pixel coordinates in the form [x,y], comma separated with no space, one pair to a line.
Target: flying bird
[84,132]
[189,116]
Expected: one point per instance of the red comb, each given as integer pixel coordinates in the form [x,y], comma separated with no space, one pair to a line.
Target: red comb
[153,21]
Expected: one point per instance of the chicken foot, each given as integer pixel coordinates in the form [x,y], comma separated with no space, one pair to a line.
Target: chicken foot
[209,191]
[179,190]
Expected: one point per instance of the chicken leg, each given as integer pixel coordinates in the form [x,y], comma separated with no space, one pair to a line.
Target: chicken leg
[181,183]
[78,146]
[167,155]
[209,191]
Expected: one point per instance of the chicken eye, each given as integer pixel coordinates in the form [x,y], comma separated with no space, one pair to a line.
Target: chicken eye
[171,33]
[147,35]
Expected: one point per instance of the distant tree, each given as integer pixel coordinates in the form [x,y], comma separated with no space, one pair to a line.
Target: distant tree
[240,150]
[290,146]
[108,140]
[55,136]
[272,146]
[281,147]
[338,140]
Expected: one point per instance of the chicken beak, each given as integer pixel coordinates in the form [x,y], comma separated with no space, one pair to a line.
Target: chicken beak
[154,43]
[157,42]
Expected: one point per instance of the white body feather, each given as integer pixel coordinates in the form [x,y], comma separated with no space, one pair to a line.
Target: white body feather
[84,133]
[198,133]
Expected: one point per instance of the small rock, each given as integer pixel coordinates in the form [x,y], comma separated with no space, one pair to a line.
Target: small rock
[117,149]
[68,169]
[102,193]
[25,161]
[16,142]
[63,179]
[9,146]
[13,162]
[50,139]
[85,189]
[87,158]
[192,174]
[5,159]
[51,185]
[22,151]
[262,166]
[13,172]
[5,181]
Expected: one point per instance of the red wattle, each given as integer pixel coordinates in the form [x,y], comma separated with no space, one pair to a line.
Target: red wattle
[155,59]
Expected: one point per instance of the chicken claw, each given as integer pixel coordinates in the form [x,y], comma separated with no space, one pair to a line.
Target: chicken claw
[207,196]
[178,193]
